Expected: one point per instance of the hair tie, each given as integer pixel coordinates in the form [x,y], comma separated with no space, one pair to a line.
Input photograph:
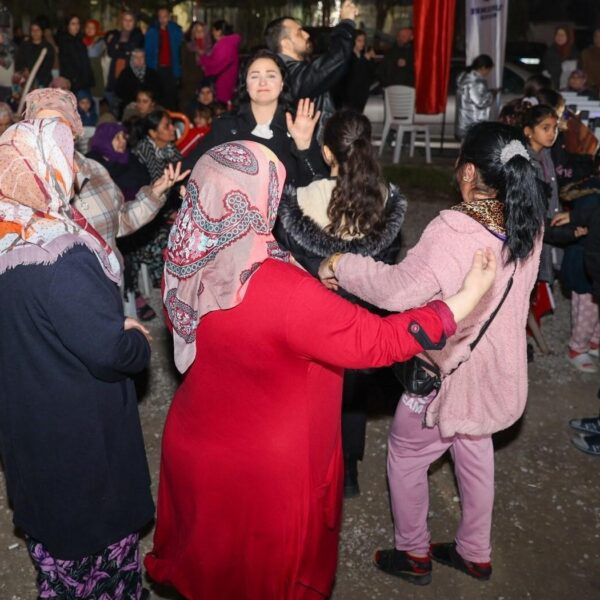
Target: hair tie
[512,149]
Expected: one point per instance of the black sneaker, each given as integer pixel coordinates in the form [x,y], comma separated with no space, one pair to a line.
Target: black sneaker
[414,569]
[590,444]
[587,425]
[446,554]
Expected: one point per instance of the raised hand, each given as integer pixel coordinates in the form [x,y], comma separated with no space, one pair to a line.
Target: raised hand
[169,178]
[303,126]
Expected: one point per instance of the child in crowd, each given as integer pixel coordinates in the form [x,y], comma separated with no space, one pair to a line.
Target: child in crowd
[484,388]
[540,126]
[201,126]
[86,108]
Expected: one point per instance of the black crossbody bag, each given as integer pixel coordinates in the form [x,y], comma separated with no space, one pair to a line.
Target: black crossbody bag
[421,377]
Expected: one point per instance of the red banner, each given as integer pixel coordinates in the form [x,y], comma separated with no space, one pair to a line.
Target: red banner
[433,23]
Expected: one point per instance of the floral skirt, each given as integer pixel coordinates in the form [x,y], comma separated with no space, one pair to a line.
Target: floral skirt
[113,574]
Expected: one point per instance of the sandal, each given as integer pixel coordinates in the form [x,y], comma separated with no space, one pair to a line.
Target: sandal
[143,310]
[583,362]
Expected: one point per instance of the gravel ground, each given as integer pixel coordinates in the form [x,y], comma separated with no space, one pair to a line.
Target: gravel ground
[546,535]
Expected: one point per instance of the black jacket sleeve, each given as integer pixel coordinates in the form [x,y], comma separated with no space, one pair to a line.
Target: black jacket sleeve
[311,79]
[86,311]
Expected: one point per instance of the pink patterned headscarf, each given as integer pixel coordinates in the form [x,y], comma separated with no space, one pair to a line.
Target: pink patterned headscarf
[61,101]
[222,234]
[36,179]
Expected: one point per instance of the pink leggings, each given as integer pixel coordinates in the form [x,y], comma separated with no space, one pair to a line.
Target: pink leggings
[585,322]
[411,450]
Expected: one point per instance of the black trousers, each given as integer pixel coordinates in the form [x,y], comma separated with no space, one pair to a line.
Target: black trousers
[362,388]
[168,89]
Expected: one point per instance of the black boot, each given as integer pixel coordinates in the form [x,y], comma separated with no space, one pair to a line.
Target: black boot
[351,489]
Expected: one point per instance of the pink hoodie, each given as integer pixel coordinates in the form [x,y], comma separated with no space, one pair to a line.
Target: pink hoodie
[489,390]
[223,62]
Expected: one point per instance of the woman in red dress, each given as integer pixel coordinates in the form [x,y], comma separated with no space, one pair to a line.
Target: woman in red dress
[250,492]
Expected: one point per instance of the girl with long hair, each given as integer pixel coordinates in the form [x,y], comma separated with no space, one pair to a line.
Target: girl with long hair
[484,389]
[354,211]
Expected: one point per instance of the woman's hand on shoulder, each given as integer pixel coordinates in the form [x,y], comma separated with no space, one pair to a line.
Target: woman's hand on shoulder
[327,271]
[476,283]
[302,127]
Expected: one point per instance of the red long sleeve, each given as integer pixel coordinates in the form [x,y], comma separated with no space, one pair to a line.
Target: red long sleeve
[322,326]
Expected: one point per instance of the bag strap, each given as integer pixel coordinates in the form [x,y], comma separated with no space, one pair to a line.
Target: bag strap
[493,315]
[484,327]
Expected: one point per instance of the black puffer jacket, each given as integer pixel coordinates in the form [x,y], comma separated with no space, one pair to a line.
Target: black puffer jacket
[301,166]
[309,243]
[314,79]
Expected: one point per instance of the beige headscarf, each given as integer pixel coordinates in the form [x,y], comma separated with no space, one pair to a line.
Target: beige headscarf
[60,101]
[36,178]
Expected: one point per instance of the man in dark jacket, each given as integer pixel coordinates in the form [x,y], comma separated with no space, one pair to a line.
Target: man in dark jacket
[398,65]
[163,54]
[314,79]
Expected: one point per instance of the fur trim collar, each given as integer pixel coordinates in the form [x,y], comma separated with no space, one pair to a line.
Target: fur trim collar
[316,240]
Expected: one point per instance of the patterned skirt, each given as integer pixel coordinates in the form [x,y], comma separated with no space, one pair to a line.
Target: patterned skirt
[113,574]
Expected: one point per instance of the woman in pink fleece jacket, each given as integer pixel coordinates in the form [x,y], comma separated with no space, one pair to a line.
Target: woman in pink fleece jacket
[223,61]
[503,208]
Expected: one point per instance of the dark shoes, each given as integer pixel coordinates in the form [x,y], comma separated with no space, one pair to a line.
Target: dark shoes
[351,489]
[401,564]
[586,425]
[588,443]
[446,554]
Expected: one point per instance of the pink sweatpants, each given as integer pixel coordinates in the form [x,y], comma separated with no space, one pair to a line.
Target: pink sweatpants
[585,322]
[411,450]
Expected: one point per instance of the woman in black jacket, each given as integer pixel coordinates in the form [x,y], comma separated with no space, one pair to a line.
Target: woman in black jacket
[29,51]
[73,57]
[135,77]
[263,117]
[351,211]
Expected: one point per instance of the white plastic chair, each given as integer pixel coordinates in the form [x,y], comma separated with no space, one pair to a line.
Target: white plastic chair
[400,115]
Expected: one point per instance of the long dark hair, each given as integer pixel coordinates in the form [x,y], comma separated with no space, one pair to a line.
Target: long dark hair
[284,99]
[152,120]
[357,202]
[515,183]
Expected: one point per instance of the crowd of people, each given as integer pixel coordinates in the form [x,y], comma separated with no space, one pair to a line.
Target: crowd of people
[274,238]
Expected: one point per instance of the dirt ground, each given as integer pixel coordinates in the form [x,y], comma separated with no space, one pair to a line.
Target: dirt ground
[546,534]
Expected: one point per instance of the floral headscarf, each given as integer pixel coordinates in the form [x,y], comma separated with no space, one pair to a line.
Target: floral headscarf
[36,177]
[222,234]
[61,101]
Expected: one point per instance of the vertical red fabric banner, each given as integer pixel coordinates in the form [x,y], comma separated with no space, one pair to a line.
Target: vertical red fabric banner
[433,24]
